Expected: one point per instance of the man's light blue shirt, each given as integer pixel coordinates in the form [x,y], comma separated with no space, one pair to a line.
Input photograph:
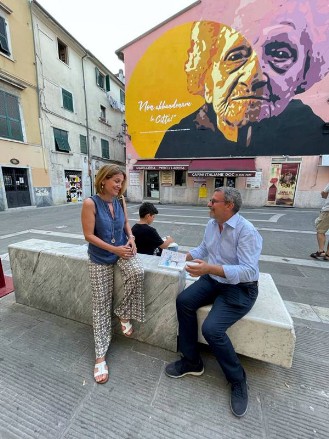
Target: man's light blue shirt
[236,249]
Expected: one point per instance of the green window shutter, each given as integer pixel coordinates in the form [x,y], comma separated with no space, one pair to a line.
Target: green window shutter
[67,100]
[105,149]
[107,81]
[10,119]
[61,140]
[83,144]
[4,47]
[100,78]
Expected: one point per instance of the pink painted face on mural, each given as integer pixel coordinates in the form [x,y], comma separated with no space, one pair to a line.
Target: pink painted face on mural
[290,51]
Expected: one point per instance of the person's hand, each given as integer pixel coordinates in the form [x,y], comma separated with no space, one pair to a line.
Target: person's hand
[197,267]
[132,245]
[169,240]
[124,251]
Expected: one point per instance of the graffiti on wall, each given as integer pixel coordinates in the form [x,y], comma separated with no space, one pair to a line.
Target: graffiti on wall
[207,89]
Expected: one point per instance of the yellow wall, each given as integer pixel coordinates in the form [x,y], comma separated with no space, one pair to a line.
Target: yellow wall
[22,68]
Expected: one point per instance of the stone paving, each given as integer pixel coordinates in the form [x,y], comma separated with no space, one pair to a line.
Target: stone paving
[47,388]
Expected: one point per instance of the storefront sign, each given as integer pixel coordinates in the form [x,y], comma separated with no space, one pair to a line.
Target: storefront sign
[161,167]
[222,173]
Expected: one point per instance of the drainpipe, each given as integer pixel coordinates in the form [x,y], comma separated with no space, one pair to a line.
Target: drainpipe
[35,34]
[87,123]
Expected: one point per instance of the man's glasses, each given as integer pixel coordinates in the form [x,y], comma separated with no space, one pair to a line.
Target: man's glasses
[212,201]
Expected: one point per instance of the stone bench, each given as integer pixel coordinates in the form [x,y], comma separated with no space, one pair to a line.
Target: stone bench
[266,332]
[53,277]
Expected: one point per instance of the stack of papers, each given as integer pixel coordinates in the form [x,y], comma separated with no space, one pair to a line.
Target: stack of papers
[172,260]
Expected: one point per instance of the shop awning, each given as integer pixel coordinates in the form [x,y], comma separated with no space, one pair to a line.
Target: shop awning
[162,165]
[222,168]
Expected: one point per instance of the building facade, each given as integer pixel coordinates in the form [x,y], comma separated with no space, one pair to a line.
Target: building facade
[62,112]
[232,95]
[24,162]
[82,110]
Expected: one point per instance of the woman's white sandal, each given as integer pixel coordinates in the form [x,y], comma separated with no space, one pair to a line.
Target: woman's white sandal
[126,327]
[101,371]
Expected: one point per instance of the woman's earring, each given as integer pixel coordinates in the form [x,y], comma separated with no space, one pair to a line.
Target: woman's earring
[102,187]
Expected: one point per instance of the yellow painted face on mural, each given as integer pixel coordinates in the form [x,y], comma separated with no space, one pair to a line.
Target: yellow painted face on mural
[233,84]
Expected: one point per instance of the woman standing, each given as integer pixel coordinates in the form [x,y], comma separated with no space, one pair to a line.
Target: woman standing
[105,226]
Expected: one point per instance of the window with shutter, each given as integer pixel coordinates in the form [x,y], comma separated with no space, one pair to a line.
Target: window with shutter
[105,149]
[100,78]
[61,140]
[67,100]
[107,80]
[83,144]
[122,96]
[62,51]
[10,119]
[4,45]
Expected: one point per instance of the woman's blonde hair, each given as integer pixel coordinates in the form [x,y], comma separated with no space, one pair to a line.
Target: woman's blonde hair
[106,172]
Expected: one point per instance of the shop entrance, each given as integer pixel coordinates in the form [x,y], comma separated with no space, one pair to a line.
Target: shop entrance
[16,187]
[225,181]
[73,186]
[151,188]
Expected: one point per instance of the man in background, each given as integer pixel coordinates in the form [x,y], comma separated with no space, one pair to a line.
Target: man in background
[322,226]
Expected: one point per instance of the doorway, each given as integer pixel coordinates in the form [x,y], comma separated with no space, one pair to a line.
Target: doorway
[151,185]
[16,187]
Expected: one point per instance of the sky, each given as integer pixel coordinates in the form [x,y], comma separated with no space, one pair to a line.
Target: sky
[103,26]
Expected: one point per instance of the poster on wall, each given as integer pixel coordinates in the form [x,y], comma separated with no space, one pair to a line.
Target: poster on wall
[254,182]
[166,178]
[203,191]
[134,178]
[282,184]
[287,184]
[244,84]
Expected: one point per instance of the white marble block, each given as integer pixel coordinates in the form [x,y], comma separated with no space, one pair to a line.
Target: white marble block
[266,332]
[53,277]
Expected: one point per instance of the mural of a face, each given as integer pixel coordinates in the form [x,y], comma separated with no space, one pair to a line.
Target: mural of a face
[290,41]
[224,68]
[233,85]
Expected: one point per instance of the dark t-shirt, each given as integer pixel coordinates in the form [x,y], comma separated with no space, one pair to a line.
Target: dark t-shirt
[147,239]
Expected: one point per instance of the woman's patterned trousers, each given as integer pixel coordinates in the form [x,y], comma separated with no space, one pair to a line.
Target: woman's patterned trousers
[131,307]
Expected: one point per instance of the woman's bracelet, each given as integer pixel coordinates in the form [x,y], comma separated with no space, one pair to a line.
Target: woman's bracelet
[131,236]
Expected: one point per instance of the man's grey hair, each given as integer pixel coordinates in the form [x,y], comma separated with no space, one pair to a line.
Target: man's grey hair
[231,195]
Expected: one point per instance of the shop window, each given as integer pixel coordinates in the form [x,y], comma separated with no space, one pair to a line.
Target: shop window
[4,37]
[180,178]
[10,118]
[105,149]
[83,144]
[225,181]
[61,140]
[67,100]
[62,51]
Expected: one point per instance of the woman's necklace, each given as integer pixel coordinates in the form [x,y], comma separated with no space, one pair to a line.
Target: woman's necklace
[106,205]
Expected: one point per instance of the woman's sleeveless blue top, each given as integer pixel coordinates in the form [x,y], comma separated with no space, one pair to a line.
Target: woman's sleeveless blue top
[107,228]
